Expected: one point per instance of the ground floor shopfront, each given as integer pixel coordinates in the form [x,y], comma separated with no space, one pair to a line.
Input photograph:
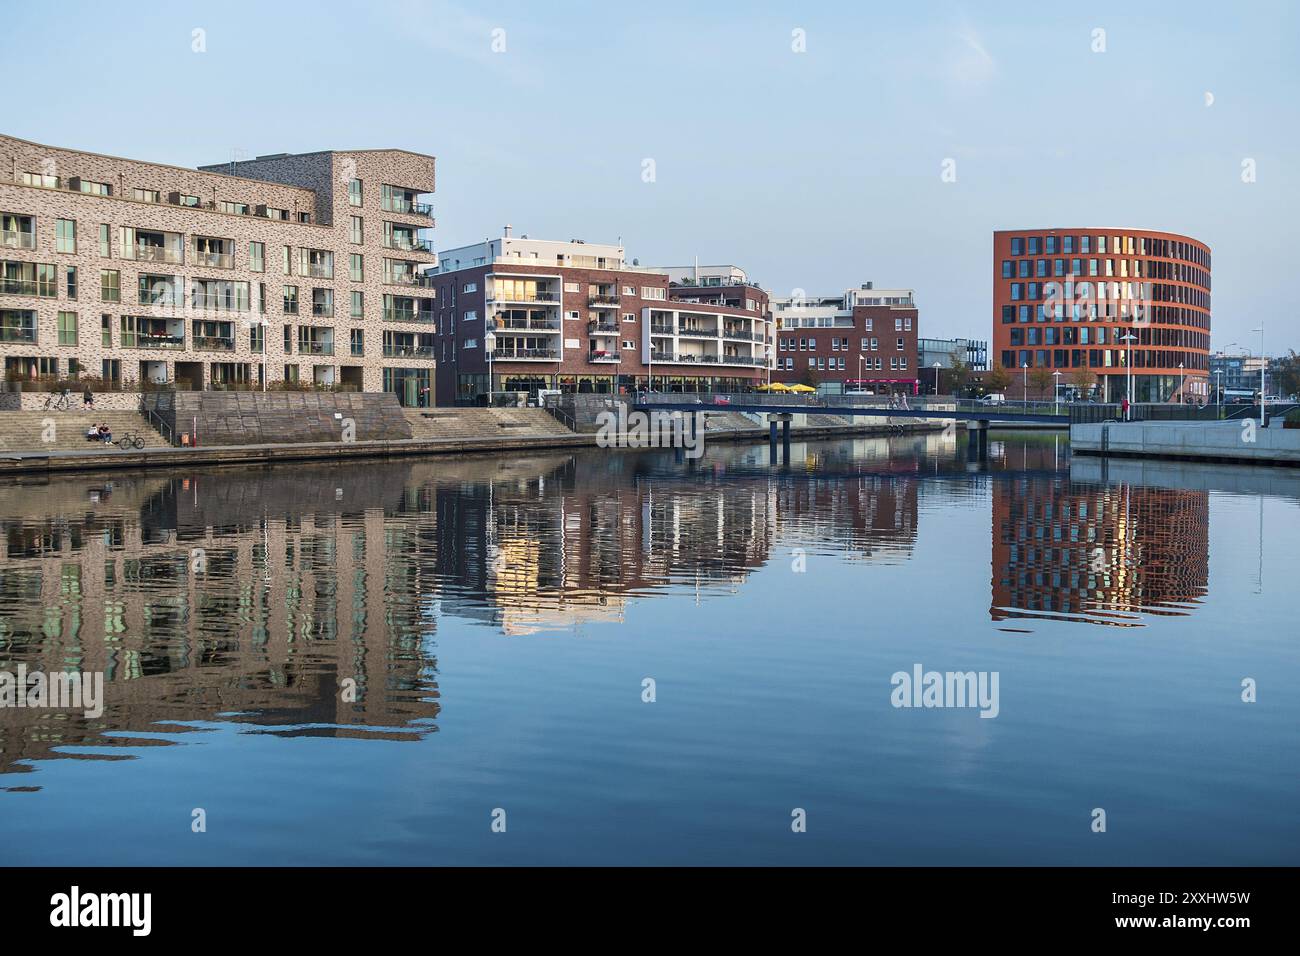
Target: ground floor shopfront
[471,389]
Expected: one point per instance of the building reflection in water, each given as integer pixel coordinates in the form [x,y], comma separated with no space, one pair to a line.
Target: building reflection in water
[253,596]
[1095,552]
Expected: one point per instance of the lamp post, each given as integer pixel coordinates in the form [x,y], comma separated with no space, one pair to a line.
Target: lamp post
[1182,380]
[489,346]
[1218,385]
[1128,339]
[1024,396]
[1263,365]
[936,366]
[861,359]
[1056,392]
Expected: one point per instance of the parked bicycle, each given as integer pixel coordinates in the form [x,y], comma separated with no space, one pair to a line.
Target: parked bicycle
[60,403]
[130,440]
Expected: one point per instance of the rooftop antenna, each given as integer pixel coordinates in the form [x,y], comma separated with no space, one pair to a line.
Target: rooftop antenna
[237,155]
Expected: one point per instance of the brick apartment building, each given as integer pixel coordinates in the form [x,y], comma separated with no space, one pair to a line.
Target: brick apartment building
[577,317]
[863,340]
[304,267]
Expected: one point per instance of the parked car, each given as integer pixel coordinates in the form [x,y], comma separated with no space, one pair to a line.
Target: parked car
[994,398]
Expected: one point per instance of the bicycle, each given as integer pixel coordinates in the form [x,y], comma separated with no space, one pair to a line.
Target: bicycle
[62,403]
[129,440]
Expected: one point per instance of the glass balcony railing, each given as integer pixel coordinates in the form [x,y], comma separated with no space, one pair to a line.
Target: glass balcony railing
[408,315]
[148,253]
[158,340]
[214,343]
[408,351]
[18,333]
[316,348]
[44,288]
[408,243]
[16,239]
[320,270]
[501,355]
[214,260]
[409,278]
[407,207]
[323,309]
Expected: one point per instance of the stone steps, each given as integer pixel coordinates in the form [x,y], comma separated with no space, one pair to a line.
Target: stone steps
[482,422]
[29,431]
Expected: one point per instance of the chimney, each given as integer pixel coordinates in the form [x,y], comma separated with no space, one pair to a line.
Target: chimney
[507,230]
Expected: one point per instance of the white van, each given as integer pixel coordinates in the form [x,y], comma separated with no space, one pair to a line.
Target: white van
[994,398]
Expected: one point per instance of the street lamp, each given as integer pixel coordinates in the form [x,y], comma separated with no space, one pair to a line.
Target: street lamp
[489,346]
[1025,394]
[861,359]
[1218,385]
[1263,364]
[1128,340]
[1182,380]
[1056,392]
[937,366]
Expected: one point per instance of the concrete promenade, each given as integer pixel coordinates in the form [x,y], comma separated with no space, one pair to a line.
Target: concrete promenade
[1239,440]
[18,463]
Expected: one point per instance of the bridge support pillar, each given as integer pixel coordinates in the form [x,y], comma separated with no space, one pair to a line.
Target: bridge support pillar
[977,441]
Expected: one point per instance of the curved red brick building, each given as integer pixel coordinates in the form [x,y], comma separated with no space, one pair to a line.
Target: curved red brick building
[1064,300]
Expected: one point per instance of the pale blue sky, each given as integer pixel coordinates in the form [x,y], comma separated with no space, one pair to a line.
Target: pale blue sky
[816,170]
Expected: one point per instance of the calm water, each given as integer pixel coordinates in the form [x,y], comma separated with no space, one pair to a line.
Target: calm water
[498,618]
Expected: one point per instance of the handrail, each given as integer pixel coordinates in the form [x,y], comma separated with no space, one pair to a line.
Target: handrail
[156,421]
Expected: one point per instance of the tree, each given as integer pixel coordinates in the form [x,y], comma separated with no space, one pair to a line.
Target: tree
[809,377]
[997,379]
[958,372]
[1084,380]
[1286,374]
[1041,379]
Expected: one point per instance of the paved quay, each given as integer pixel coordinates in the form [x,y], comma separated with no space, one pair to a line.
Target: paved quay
[57,461]
[1239,440]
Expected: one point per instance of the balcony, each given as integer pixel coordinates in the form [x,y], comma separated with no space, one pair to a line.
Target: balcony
[322,347]
[604,301]
[324,310]
[214,343]
[409,315]
[526,325]
[158,340]
[418,279]
[408,207]
[741,335]
[603,327]
[319,270]
[538,296]
[407,242]
[17,239]
[697,333]
[23,332]
[602,355]
[213,260]
[409,351]
[660,329]
[663,356]
[146,252]
[525,355]
[45,288]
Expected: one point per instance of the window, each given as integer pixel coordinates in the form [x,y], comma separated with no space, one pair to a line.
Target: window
[629,316]
[471,316]
[146,195]
[471,343]
[67,328]
[109,285]
[286,263]
[257,338]
[96,189]
[1017,246]
[257,257]
[288,344]
[629,290]
[652,293]
[871,323]
[65,233]
[1034,245]
[280,214]
[237,208]
[899,345]
[356,267]
[71,281]
[106,331]
[358,342]
[105,243]
[354,192]
[358,305]
[290,300]
[358,230]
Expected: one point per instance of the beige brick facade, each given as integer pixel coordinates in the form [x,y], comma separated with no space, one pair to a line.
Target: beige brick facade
[203,302]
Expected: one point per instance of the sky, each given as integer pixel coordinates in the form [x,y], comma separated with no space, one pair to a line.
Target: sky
[805,142]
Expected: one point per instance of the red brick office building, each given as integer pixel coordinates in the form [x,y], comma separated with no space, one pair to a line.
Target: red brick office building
[1066,300]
